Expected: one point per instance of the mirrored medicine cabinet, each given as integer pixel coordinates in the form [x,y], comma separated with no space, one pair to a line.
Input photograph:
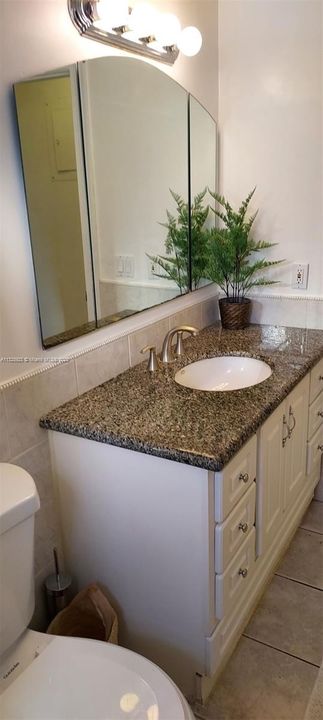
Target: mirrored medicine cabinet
[116,156]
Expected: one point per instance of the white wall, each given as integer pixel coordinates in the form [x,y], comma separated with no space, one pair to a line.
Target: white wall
[270,124]
[37,36]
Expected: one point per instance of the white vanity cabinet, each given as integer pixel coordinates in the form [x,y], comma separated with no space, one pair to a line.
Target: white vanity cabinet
[184,552]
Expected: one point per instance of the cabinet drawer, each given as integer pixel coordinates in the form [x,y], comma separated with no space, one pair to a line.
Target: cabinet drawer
[230,534]
[316,380]
[234,580]
[315,415]
[235,479]
[314,450]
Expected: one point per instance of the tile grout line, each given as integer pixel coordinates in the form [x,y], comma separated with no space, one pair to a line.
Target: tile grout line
[317,532]
[300,582]
[284,652]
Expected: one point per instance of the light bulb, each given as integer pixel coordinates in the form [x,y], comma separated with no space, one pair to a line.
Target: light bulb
[168,29]
[143,20]
[190,41]
[112,13]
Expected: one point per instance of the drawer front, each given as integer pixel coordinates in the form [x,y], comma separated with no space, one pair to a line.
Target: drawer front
[236,577]
[230,535]
[315,415]
[316,380]
[235,479]
[314,450]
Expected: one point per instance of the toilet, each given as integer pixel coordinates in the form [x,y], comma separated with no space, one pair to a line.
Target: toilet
[63,678]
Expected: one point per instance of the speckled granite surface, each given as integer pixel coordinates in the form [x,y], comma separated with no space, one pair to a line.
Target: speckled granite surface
[155,415]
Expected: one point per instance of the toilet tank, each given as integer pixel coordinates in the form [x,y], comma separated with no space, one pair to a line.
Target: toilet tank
[18,503]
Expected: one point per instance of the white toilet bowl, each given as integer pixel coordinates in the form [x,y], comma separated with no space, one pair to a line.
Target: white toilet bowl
[45,677]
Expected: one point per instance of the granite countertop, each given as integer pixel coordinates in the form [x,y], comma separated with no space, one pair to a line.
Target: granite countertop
[150,413]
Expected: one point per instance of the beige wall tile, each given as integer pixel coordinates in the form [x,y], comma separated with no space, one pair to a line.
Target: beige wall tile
[189,316]
[4,442]
[278,311]
[97,366]
[314,314]
[150,335]
[26,401]
[210,312]
[37,462]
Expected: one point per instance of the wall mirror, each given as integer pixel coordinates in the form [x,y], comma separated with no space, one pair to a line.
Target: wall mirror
[114,154]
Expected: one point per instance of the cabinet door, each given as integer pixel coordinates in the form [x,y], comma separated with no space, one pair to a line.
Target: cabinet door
[295,450]
[270,479]
[316,384]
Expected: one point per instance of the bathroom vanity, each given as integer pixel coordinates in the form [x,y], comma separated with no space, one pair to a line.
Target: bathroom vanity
[182,502]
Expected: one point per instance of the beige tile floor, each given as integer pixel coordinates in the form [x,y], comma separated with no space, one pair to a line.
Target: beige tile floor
[272,671]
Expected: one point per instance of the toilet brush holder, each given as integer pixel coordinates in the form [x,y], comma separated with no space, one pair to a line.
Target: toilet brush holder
[57,589]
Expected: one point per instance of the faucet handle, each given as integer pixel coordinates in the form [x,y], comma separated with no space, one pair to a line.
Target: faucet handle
[153,360]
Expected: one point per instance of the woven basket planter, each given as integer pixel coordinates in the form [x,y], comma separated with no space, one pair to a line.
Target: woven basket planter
[235,315]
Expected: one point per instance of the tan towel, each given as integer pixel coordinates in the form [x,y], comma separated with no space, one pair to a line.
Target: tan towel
[89,615]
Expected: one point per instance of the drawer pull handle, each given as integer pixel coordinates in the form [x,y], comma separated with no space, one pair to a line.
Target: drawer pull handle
[244,477]
[321,377]
[243,572]
[320,447]
[291,415]
[320,413]
[285,438]
[244,527]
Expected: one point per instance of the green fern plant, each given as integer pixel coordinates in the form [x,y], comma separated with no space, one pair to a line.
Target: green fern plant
[174,265]
[231,247]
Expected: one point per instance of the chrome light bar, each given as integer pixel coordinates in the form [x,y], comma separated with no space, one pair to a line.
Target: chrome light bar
[84,16]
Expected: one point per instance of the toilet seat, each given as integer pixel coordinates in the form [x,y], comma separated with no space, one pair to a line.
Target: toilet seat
[78,679]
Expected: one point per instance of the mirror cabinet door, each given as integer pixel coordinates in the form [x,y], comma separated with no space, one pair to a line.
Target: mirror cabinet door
[203,163]
[51,149]
[107,146]
[136,140]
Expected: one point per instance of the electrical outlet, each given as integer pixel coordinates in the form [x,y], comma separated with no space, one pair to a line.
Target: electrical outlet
[300,276]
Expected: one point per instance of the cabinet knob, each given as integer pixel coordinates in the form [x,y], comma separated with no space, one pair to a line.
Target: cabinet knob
[320,447]
[320,413]
[244,477]
[243,572]
[244,527]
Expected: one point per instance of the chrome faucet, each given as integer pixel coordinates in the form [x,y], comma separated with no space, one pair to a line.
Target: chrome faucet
[167,352]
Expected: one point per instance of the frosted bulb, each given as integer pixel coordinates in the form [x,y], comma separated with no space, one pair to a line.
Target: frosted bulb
[143,19]
[168,29]
[190,41]
[113,13]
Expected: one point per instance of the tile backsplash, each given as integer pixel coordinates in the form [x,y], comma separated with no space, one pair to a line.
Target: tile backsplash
[293,311]
[23,401]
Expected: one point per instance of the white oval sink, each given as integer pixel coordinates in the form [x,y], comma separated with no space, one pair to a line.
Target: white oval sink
[220,374]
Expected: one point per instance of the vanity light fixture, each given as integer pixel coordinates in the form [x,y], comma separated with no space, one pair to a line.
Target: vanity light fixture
[141,29]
